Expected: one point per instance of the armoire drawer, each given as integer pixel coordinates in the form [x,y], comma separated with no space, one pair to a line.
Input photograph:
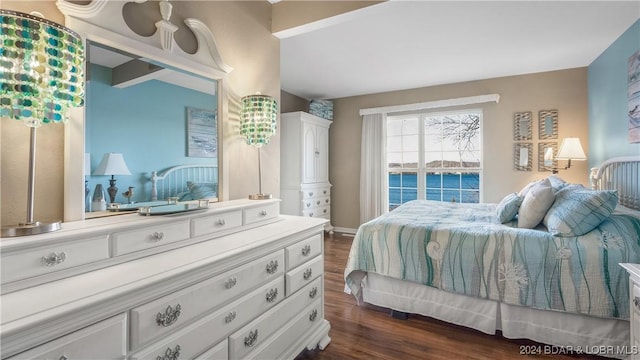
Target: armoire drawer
[302,275]
[25,264]
[260,213]
[212,328]
[316,193]
[321,211]
[217,222]
[156,318]
[130,241]
[303,251]
[258,331]
[104,340]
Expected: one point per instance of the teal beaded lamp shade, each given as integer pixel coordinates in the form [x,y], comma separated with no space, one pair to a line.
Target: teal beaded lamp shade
[258,118]
[42,72]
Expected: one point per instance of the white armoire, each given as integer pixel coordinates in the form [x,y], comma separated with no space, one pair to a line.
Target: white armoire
[304,166]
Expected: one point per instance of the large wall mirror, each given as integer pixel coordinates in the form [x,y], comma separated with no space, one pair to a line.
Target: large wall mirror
[145,99]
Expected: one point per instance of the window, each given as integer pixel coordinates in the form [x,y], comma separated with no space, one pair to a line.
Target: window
[434,156]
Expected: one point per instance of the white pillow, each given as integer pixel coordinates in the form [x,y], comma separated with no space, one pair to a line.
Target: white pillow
[535,205]
[527,187]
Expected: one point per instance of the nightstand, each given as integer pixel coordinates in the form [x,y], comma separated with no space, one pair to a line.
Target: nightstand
[634,303]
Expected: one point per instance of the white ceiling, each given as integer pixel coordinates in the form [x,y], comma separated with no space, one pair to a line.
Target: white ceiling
[411,44]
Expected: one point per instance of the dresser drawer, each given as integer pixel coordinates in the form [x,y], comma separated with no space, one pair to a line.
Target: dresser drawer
[215,223]
[258,331]
[136,240]
[199,336]
[165,314]
[321,211]
[24,264]
[303,251]
[260,213]
[218,352]
[304,274]
[285,338]
[103,340]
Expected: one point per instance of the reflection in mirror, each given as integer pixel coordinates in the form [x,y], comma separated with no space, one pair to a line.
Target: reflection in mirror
[141,109]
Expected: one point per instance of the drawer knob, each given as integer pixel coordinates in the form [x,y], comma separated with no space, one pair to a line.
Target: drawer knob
[636,302]
[324,192]
[272,267]
[251,340]
[63,357]
[169,317]
[230,317]
[313,315]
[325,211]
[306,250]
[307,274]
[272,295]
[157,236]
[313,292]
[318,202]
[263,213]
[54,259]
[220,222]
[308,204]
[170,354]
[311,193]
[231,282]
[311,214]
[326,201]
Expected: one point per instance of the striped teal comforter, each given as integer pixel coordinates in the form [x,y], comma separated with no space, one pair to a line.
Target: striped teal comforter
[463,248]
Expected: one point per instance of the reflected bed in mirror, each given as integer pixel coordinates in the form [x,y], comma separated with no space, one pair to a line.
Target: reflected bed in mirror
[157,117]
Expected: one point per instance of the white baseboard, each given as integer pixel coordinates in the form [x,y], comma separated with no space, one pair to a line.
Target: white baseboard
[345,231]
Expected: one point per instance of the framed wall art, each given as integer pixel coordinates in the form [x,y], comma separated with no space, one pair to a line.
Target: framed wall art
[547,152]
[522,126]
[202,133]
[548,124]
[522,156]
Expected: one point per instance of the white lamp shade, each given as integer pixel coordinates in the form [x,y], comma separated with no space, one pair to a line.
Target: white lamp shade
[112,164]
[571,149]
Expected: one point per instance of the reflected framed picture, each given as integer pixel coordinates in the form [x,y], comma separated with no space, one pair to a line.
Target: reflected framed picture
[548,124]
[522,126]
[202,133]
[547,152]
[522,156]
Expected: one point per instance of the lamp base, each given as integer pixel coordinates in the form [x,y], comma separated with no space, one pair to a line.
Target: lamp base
[260,196]
[29,229]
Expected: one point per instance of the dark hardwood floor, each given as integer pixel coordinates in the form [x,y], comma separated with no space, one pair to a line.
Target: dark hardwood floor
[369,332]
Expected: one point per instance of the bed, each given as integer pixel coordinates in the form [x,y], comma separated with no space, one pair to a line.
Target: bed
[185,182]
[461,264]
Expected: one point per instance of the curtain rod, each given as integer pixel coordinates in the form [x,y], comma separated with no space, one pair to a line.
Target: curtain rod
[432,104]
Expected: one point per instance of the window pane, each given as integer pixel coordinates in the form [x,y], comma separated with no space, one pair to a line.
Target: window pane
[434,194]
[410,160]
[470,196]
[409,194]
[433,160]
[410,180]
[394,179]
[394,160]
[451,181]
[394,127]
[394,143]
[451,159]
[451,195]
[410,143]
[471,181]
[434,180]
[433,142]
[410,126]
[471,159]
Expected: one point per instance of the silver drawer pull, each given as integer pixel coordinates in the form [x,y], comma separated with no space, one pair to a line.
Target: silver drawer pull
[230,317]
[54,259]
[63,357]
[169,317]
[307,274]
[231,282]
[636,302]
[250,340]
[313,315]
[324,192]
[325,211]
[306,250]
[311,193]
[313,292]
[310,214]
[272,267]
[326,201]
[308,204]
[272,295]
[157,236]
[170,354]
[220,222]
[263,213]
[318,202]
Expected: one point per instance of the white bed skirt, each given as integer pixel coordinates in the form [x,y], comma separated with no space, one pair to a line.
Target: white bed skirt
[562,330]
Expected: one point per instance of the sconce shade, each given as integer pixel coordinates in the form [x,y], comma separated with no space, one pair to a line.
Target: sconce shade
[112,164]
[41,66]
[258,119]
[571,149]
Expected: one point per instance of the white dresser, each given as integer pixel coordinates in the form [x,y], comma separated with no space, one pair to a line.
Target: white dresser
[235,281]
[634,312]
[304,166]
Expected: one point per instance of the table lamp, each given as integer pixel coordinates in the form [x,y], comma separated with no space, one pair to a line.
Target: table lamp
[42,71]
[258,117]
[112,164]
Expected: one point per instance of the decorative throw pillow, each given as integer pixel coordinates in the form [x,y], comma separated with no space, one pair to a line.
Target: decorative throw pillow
[578,211]
[535,204]
[557,183]
[527,187]
[202,190]
[508,208]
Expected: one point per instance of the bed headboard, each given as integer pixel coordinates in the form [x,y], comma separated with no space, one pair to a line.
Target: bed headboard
[173,181]
[621,174]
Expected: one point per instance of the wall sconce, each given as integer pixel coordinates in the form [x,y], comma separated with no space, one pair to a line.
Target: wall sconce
[258,118]
[570,149]
[42,69]
[112,164]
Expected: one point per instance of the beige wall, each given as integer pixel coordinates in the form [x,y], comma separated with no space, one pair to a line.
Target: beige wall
[291,103]
[290,14]
[243,34]
[564,90]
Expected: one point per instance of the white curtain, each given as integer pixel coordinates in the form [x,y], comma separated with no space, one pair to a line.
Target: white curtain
[374,198]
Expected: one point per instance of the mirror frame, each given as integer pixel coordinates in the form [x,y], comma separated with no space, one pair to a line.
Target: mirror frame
[102,21]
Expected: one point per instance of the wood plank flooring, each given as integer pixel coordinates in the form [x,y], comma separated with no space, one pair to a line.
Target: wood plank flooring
[369,332]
